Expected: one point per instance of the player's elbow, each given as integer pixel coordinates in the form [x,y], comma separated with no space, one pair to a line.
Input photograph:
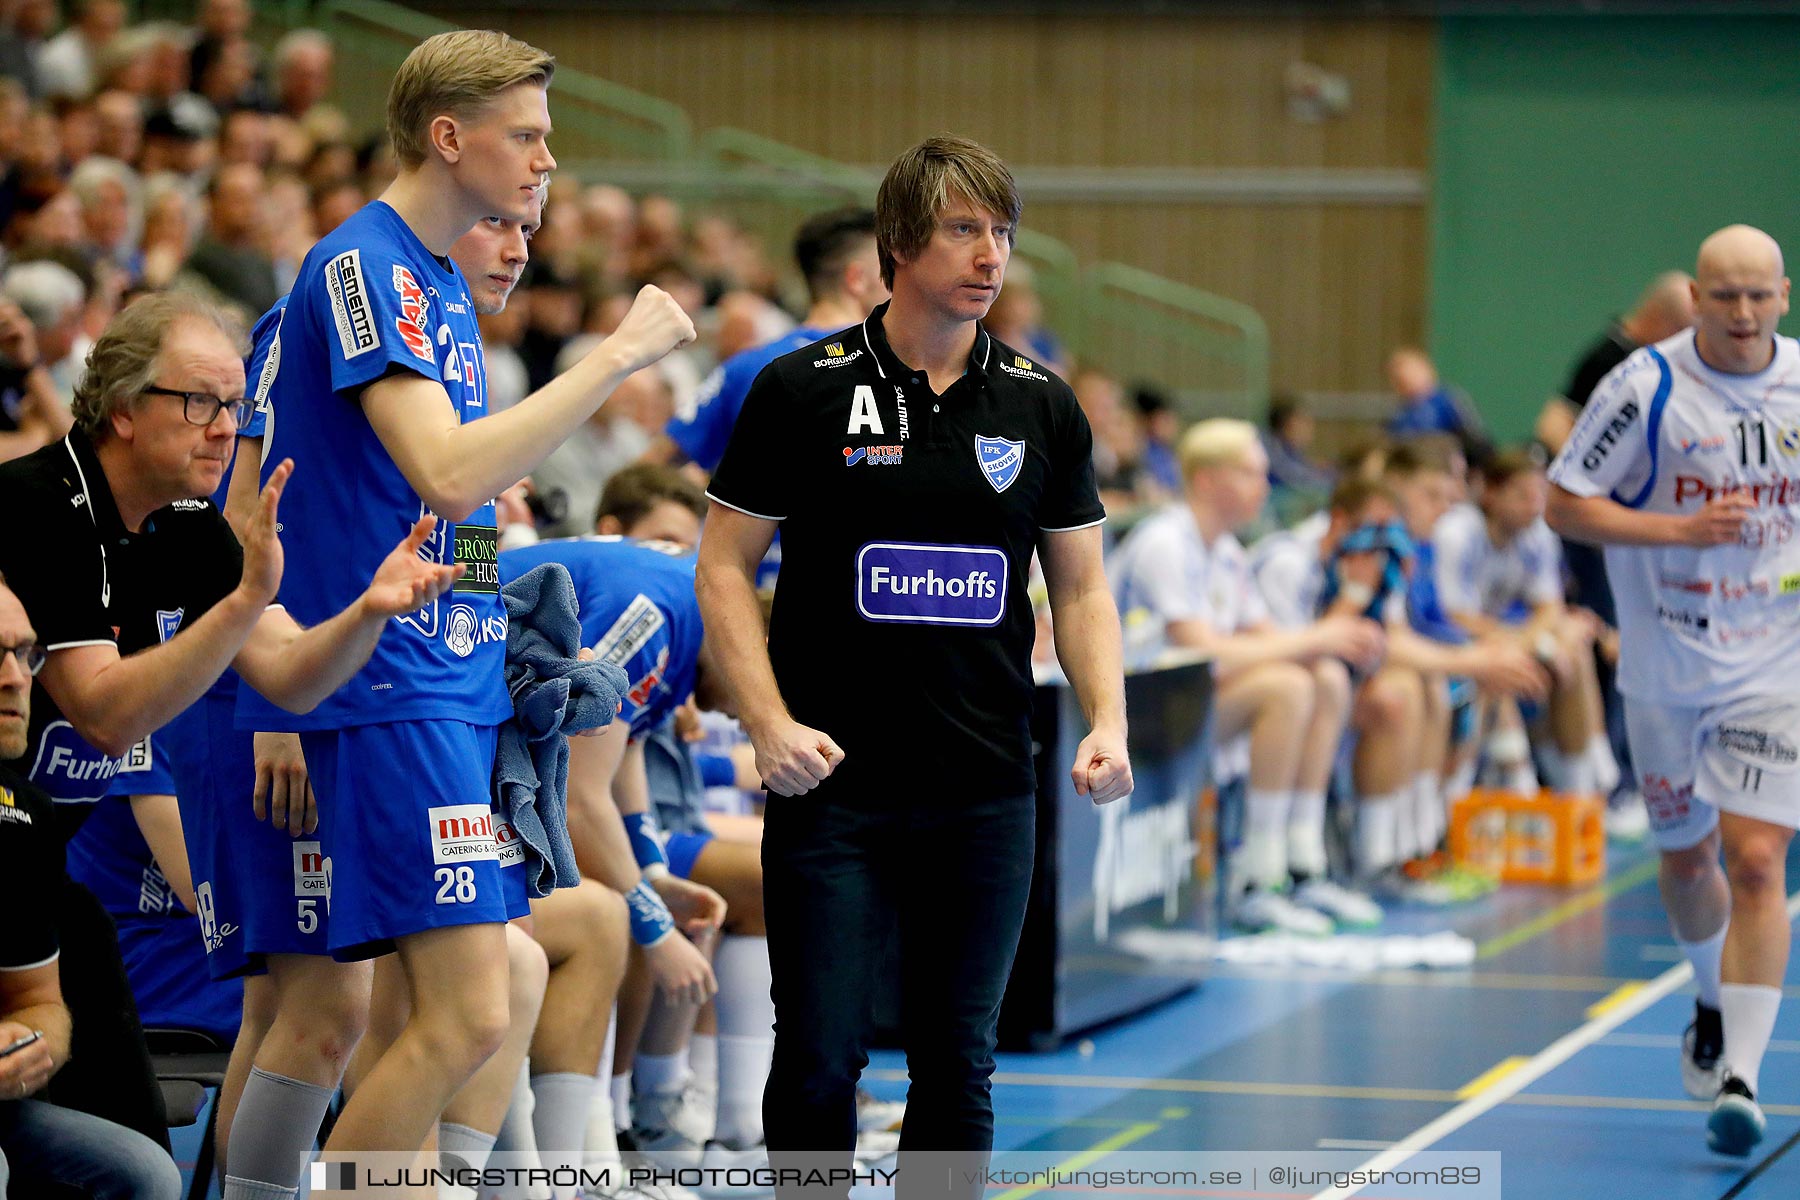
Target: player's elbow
[1560,512]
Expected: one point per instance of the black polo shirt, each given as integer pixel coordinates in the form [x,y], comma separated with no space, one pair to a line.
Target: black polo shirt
[901,626]
[86,581]
[1597,362]
[30,873]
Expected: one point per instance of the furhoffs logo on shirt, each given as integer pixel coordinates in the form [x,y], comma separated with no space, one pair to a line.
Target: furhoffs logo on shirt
[920,583]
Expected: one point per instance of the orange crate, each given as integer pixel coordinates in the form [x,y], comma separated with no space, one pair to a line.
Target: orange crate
[1547,838]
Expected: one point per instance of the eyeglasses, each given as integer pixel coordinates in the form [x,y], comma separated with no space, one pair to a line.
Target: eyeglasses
[203,408]
[31,656]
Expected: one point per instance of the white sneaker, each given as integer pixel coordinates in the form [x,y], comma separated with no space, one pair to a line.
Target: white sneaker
[1627,819]
[1702,1053]
[680,1111]
[667,1148]
[1736,1123]
[1258,911]
[718,1156]
[877,1149]
[872,1113]
[1347,909]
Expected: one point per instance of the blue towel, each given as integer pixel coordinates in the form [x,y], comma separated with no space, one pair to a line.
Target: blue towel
[554,694]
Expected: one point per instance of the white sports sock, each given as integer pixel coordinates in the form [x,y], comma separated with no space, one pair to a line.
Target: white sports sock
[470,1145]
[1749,1019]
[621,1101]
[600,1148]
[1605,765]
[560,1122]
[746,1037]
[1460,782]
[1705,956]
[1377,834]
[1262,859]
[1306,834]
[517,1139]
[660,1072]
[1429,819]
[703,1056]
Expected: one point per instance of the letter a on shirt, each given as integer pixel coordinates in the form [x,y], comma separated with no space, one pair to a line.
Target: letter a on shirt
[862,413]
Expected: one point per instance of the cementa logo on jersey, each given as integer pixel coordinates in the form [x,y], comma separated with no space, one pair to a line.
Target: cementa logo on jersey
[462,833]
[1000,459]
[922,583]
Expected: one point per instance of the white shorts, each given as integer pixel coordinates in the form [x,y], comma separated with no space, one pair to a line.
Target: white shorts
[1740,757]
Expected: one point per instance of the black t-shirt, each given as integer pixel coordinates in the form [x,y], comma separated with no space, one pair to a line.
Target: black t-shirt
[902,627]
[84,581]
[30,873]
[1596,363]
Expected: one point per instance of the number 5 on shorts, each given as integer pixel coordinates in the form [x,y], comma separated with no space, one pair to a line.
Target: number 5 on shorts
[307,918]
[462,879]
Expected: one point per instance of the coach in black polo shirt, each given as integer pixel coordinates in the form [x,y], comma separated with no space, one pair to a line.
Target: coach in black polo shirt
[913,464]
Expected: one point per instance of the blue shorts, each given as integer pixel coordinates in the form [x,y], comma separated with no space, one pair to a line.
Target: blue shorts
[513,884]
[163,960]
[264,892]
[408,816]
[683,849]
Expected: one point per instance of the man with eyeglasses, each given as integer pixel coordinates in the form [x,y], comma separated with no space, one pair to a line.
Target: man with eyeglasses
[142,597]
[43,1144]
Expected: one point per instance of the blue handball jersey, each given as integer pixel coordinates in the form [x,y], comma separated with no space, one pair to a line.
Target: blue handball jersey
[371,300]
[702,437]
[110,857]
[638,612]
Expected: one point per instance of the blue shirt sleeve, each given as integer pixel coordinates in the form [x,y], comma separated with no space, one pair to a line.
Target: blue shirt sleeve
[721,399]
[373,313]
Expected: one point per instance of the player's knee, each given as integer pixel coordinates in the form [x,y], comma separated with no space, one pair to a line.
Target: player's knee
[1694,866]
[1394,699]
[1287,690]
[1331,686]
[329,1021]
[464,1031]
[528,967]
[1756,865]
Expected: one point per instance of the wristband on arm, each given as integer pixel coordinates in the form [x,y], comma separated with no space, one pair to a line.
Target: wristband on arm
[646,844]
[651,920]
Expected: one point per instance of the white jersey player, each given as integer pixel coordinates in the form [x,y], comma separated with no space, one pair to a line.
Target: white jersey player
[1686,464]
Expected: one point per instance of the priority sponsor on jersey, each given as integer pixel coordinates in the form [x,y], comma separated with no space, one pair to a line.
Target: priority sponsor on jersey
[922,583]
[1761,744]
[875,456]
[1768,493]
[835,356]
[461,833]
[312,871]
[350,304]
[1609,437]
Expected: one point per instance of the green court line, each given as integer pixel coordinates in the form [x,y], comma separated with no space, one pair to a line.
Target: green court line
[1089,1156]
[1538,926]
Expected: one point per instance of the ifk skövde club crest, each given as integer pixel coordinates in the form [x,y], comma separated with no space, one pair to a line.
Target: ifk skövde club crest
[1000,460]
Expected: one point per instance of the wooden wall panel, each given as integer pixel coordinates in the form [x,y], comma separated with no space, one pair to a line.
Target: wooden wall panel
[1338,283]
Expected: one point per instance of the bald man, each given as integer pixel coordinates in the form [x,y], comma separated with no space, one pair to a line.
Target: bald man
[1686,467]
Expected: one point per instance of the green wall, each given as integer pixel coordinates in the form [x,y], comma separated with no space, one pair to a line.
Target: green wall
[1577,157]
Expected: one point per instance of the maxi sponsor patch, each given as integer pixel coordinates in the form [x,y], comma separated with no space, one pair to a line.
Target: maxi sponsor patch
[925,583]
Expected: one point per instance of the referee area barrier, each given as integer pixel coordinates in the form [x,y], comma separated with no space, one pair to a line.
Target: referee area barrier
[1207,352]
